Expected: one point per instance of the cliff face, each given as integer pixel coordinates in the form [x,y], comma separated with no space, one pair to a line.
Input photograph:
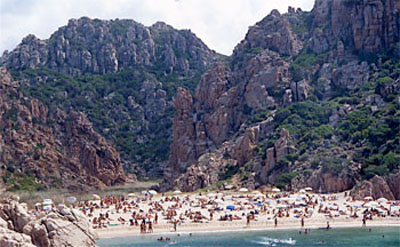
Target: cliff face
[98,46]
[306,99]
[121,73]
[366,26]
[279,112]
[51,150]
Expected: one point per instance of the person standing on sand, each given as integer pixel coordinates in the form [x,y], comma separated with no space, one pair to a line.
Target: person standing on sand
[175,223]
[276,222]
[302,221]
[328,226]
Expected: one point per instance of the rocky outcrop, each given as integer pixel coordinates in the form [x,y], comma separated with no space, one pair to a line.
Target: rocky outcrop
[281,148]
[63,227]
[273,33]
[365,26]
[96,46]
[348,77]
[377,187]
[57,149]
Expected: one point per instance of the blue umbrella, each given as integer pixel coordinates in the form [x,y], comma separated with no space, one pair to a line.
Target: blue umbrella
[230,207]
[258,204]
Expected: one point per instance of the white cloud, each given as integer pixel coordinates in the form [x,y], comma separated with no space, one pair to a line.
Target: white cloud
[221,24]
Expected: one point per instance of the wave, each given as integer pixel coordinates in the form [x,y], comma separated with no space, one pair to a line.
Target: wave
[275,241]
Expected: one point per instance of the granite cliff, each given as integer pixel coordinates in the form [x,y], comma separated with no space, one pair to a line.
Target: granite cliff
[42,150]
[288,107]
[121,73]
[306,98]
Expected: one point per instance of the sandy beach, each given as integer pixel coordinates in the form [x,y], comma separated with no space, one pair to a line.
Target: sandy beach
[166,230]
[127,215]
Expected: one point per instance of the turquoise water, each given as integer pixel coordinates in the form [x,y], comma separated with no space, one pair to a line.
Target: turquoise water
[339,237]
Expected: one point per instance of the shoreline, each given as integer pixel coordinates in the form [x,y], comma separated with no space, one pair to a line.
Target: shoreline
[165,229]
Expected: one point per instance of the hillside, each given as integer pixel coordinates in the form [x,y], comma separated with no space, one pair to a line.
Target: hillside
[306,98]
[122,74]
[41,150]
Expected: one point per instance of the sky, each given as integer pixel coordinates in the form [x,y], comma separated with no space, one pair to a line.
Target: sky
[221,24]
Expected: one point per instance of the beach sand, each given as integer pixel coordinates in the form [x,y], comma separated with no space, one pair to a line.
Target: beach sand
[166,229]
[338,214]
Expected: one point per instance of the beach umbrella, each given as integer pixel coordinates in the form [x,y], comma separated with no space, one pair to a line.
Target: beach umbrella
[302,191]
[71,199]
[38,204]
[219,201]
[258,204]
[371,205]
[47,201]
[276,190]
[230,207]
[47,207]
[144,192]
[382,200]
[243,190]
[308,189]
[153,192]
[96,197]
[368,198]
[228,187]
[176,192]
[131,195]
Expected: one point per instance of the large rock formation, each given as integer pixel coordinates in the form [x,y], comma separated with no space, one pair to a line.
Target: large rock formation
[365,25]
[377,187]
[57,149]
[96,46]
[20,227]
[283,60]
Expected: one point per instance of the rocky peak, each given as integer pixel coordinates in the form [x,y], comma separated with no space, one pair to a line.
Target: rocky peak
[97,46]
[273,32]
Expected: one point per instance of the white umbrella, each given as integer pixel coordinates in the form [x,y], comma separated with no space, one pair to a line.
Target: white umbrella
[229,187]
[47,208]
[177,192]
[219,201]
[276,190]
[131,195]
[243,190]
[96,197]
[368,198]
[47,201]
[153,192]
[308,189]
[371,205]
[144,192]
[302,191]
[38,204]
[71,199]
[382,200]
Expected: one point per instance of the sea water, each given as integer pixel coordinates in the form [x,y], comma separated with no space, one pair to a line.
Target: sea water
[337,237]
